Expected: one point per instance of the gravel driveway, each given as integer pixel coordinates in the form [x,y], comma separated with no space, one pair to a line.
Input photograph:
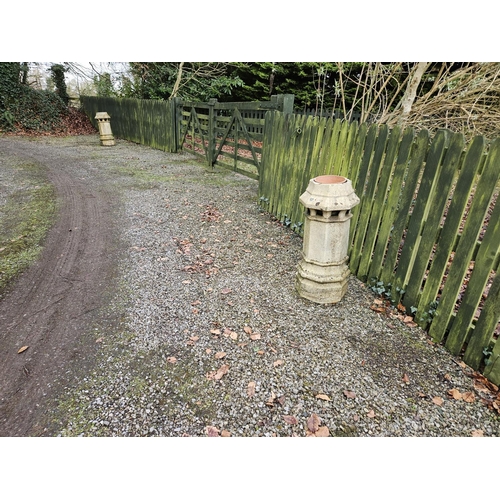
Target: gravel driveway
[183,320]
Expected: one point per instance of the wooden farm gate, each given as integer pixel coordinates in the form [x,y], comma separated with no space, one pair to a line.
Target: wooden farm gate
[227,134]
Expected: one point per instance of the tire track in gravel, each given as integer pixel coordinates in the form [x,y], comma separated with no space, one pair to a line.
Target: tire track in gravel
[53,303]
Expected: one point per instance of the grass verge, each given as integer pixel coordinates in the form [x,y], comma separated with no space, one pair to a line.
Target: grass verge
[25,218]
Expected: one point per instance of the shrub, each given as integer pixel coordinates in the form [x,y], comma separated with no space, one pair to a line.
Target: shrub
[24,108]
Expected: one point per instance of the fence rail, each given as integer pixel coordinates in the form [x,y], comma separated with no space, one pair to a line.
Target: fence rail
[426,234]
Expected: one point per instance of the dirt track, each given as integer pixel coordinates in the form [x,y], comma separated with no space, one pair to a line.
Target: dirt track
[54,302]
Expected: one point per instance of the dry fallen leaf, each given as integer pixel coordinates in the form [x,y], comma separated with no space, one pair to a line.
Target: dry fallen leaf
[483,380]
[371,414]
[478,433]
[233,336]
[219,373]
[278,362]
[313,423]
[247,329]
[225,434]
[225,291]
[290,419]
[172,359]
[437,400]
[251,389]
[220,355]
[455,394]
[255,336]
[480,387]
[323,396]
[271,400]
[22,349]
[406,379]
[212,431]
[468,397]
[322,432]
[195,338]
[349,394]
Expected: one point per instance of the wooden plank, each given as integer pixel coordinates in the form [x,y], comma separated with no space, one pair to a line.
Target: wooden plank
[314,128]
[390,207]
[249,122]
[485,327]
[340,149]
[274,168]
[448,236]
[365,152]
[412,175]
[249,140]
[281,145]
[466,245]
[253,105]
[359,134]
[266,160]
[379,200]
[492,371]
[324,151]
[350,142]
[422,206]
[484,262]
[300,165]
[286,159]
[367,198]
[325,165]
[436,205]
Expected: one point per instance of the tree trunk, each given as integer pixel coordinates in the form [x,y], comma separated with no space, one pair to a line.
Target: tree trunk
[177,81]
[411,91]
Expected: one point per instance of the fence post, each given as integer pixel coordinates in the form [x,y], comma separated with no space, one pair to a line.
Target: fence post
[211,132]
[176,110]
[285,103]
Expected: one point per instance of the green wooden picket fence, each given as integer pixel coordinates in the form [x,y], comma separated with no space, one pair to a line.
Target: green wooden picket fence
[426,233]
[148,122]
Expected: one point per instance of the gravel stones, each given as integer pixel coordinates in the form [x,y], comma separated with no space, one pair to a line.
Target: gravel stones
[205,272]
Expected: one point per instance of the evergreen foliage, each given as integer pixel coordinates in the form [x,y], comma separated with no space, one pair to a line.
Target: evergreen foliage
[22,107]
[190,81]
[57,71]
